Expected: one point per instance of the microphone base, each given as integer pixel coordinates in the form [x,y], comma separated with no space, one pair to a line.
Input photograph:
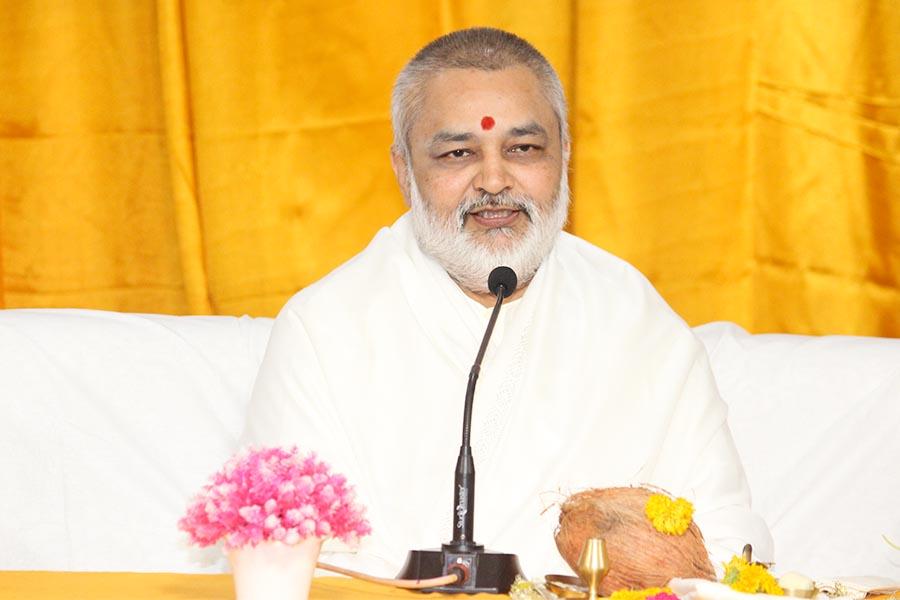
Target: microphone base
[485,571]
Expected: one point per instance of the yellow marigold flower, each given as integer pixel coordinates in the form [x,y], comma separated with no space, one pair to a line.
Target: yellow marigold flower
[750,578]
[670,516]
[639,594]
[770,586]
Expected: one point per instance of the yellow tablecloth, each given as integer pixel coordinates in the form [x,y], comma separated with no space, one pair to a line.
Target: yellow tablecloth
[53,585]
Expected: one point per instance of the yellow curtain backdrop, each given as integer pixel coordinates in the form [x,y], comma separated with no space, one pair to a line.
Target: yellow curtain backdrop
[214,156]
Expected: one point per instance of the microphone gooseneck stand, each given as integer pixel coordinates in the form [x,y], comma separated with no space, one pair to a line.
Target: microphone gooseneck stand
[477,570]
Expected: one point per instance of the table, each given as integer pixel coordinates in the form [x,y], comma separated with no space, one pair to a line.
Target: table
[58,585]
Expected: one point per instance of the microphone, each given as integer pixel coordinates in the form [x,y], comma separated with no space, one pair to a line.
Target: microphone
[502,277]
[478,570]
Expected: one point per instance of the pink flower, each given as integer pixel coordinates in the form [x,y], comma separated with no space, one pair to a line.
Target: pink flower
[272,522]
[292,537]
[273,494]
[307,527]
[251,514]
[293,516]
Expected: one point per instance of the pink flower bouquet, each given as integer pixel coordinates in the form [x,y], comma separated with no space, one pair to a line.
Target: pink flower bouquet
[273,494]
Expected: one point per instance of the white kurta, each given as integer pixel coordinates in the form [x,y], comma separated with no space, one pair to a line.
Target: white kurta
[590,380]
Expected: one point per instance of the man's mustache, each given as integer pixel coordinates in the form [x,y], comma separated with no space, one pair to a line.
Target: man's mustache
[503,200]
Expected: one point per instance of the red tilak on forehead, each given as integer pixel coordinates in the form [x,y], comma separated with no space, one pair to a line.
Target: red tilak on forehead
[487,123]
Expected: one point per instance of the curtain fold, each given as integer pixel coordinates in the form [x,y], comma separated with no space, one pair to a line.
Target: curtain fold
[176,99]
[826,168]
[214,156]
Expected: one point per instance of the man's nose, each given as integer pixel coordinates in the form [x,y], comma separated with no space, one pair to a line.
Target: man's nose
[493,176]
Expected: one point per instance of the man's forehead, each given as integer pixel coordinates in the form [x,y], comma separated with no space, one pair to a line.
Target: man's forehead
[471,100]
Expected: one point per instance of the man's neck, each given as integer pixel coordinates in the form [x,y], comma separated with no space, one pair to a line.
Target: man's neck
[489,300]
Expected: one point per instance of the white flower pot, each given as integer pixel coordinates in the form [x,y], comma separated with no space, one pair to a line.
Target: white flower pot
[275,571]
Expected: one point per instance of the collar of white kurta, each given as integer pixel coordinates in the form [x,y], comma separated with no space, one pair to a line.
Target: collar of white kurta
[434,296]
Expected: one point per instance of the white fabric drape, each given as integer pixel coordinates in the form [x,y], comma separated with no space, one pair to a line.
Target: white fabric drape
[590,381]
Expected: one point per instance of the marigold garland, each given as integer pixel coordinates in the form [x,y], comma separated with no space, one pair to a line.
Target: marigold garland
[654,593]
[668,515]
[750,578]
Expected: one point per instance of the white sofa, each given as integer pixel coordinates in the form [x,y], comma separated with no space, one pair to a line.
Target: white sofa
[110,421]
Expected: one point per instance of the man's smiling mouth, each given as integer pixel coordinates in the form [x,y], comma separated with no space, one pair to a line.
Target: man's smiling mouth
[495,217]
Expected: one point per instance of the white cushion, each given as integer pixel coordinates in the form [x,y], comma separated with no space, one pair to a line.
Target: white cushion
[111,421]
[817,423]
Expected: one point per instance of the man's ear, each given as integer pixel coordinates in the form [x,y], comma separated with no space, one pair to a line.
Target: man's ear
[567,151]
[401,171]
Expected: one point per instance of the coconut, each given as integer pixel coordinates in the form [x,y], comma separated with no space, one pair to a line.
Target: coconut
[639,555]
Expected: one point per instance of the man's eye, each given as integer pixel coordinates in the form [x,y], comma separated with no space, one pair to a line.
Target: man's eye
[458,153]
[524,148]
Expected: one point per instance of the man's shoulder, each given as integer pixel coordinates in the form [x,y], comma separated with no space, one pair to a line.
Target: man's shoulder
[356,281]
[584,259]
[621,285]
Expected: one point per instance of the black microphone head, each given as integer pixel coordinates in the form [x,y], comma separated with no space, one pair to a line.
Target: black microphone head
[502,276]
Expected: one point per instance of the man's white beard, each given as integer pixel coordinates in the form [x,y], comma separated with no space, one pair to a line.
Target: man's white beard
[469,258]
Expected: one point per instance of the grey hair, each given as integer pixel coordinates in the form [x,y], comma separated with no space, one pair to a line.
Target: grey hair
[481,48]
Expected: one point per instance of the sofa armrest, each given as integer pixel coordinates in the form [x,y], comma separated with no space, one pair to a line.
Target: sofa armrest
[817,423]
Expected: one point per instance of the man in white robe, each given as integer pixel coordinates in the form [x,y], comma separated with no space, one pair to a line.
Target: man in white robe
[590,379]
